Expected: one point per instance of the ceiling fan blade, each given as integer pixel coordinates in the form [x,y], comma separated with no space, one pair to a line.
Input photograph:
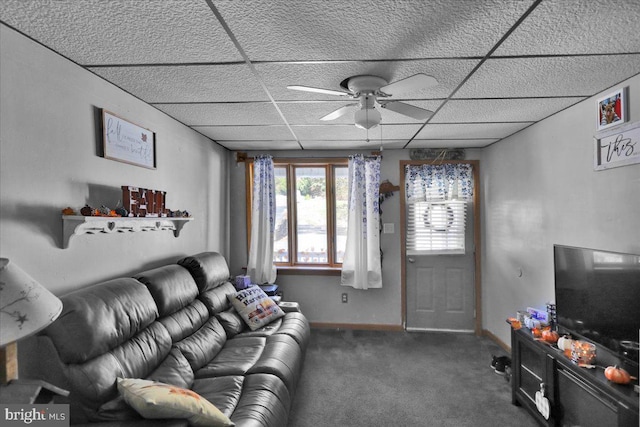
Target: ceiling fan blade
[319,90]
[410,84]
[339,112]
[408,110]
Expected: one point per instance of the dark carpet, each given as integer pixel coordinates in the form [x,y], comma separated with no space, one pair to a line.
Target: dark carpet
[372,378]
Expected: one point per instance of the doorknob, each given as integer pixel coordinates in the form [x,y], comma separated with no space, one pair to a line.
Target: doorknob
[411,260]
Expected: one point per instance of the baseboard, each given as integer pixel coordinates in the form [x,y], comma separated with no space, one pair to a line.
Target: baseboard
[357,326]
[497,340]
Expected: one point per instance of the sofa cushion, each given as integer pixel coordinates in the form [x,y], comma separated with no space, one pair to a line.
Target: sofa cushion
[265,401]
[93,383]
[174,370]
[186,321]
[202,346]
[255,307]
[224,392]
[216,299]
[209,269]
[236,358]
[296,325]
[265,331]
[281,357]
[171,286]
[116,410]
[154,400]
[99,318]
[231,322]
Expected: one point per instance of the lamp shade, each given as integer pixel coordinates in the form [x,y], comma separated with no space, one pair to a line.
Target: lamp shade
[366,118]
[26,307]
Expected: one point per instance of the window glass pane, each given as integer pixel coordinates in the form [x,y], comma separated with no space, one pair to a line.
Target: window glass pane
[311,210]
[281,239]
[341,182]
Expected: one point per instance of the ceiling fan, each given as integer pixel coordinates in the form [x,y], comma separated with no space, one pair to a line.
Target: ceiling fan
[369,90]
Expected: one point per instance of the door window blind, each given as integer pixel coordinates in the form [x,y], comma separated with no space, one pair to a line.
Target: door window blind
[436,227]
[437,197]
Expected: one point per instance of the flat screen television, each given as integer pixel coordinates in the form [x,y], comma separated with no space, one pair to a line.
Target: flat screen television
[598,298]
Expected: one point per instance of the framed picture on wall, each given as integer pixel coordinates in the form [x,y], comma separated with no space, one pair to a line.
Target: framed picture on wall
[127,142]
[612,110]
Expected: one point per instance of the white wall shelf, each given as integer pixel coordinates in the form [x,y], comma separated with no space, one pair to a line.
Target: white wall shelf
[75,225]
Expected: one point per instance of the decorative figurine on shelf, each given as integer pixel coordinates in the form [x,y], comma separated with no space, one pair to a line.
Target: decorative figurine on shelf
[86,210]
[121,211]
[104,211]
[68,211]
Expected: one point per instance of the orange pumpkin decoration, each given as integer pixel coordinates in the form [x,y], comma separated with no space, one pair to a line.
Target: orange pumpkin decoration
[68,211]
[550,336]
[617,375]
[536,333]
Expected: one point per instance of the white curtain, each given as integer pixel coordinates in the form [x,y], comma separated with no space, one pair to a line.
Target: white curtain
[260,266]
[361,267]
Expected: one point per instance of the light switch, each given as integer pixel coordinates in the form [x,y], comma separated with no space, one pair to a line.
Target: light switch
[388,228]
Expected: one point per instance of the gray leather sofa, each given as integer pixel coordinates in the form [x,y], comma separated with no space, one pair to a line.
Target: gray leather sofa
[172,324]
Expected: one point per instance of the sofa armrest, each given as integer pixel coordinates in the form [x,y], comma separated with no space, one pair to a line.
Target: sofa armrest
[290,306]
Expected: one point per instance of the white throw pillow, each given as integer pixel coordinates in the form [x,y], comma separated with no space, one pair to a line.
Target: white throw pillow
[155,400]
[255,307]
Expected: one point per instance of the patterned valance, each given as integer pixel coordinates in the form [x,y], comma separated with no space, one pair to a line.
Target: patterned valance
[451,181]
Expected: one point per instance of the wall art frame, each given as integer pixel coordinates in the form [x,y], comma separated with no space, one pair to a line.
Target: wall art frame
[611,109]
[127,142]
[617,147]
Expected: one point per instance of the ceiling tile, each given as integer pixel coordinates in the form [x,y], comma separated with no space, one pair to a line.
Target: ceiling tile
[202,83]
[451,143]
[548,76]
[246,133]
[577,27]
[277,77]
[253,113]
[123,32]
[368,29]
[469,130]
[259,145]
[501,110]
[351,132]
[352,145]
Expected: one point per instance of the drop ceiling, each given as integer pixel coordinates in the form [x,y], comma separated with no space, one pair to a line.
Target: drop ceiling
[223,67]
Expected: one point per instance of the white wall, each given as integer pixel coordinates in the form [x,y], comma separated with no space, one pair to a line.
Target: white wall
[320,296]
[539,188]
[48,160]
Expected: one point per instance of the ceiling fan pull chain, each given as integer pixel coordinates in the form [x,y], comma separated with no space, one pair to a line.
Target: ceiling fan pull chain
[366,111]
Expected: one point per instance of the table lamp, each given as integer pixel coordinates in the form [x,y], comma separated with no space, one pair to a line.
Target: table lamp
[26,308]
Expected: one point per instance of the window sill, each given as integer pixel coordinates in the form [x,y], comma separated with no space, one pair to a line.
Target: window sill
[312,270]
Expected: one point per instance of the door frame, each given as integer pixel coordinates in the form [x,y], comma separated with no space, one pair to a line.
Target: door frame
[476,238]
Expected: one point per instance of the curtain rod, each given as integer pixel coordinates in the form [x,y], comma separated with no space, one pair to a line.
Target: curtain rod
[243,157]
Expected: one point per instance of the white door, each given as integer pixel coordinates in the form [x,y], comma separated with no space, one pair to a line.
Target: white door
[440,258]
[440,288]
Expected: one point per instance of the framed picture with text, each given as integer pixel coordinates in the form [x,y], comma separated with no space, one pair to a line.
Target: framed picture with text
[617,147]
[127,142]
[612,110]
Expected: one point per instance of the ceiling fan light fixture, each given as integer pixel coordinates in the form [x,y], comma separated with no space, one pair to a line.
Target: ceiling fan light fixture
[366,118]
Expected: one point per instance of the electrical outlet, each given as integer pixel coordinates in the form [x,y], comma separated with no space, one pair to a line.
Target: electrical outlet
[345,298]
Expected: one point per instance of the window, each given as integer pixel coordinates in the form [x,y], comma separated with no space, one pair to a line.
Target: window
[311,212]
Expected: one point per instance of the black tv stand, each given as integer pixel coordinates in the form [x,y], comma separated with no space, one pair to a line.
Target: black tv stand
[577,396]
